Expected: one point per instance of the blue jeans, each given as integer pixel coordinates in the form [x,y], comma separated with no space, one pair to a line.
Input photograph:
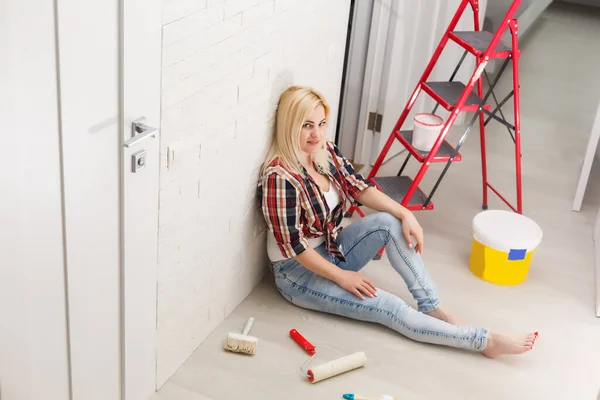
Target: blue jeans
[360,241]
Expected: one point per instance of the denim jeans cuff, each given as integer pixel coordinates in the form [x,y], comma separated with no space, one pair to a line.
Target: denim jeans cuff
[429,306]
[481,339]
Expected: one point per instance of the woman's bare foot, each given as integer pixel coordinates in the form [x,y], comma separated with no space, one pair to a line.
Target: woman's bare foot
[501,344]
[445,316]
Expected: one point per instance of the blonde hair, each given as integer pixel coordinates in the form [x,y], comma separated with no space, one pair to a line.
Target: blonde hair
[295,106]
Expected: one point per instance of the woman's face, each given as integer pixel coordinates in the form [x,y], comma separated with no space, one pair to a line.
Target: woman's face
[313,130]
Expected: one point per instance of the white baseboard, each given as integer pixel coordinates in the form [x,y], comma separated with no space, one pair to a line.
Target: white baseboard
[597,262]
[597,280]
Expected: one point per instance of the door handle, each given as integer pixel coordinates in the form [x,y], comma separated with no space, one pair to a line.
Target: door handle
[140,132]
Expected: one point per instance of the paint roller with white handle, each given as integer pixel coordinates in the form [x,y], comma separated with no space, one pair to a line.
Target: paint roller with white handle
[336,367]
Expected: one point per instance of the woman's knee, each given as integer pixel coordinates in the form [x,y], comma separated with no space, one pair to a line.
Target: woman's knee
[388,222]
[391,227]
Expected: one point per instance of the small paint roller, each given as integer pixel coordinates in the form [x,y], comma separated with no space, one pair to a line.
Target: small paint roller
[359,397]
[242,343]
[330,369]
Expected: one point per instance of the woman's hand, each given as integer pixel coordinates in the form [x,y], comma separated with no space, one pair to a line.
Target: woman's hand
[356,283]
[377,200]
[410,226]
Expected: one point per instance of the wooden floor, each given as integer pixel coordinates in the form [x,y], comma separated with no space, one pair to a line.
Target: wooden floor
[558,105]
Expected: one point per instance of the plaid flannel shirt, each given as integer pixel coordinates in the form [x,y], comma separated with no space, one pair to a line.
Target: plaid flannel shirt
[295,208]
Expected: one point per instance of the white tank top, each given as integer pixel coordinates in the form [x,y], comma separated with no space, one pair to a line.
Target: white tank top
[333,199]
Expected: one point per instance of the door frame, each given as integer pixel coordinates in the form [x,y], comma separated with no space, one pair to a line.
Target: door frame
[590,155]
[354,75]
[126,303]
[597,262]
[373,77]
[140,74]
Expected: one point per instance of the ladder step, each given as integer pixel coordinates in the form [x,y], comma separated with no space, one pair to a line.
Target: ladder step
[448,93]
[477,42]
[443,154]
[397,186]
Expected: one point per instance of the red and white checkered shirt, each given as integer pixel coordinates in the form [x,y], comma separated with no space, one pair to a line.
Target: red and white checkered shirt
[295,208]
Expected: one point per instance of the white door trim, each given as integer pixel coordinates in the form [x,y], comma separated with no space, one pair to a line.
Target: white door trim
[141,52]
[597,262]
[588,160]
[355,75]
[372,80]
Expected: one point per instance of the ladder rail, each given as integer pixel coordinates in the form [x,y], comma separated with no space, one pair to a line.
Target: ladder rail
[447,166]
[417,90]
[475,77]
[514,29]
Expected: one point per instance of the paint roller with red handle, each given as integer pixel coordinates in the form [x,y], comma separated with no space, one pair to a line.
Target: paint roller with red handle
[310,349]
[331,368]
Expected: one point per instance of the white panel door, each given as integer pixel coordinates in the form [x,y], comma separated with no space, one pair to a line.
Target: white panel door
[141,67]
[109,56]
[34,356]
[88,37]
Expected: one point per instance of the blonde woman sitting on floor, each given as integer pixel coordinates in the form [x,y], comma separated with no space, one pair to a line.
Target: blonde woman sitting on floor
[306,187]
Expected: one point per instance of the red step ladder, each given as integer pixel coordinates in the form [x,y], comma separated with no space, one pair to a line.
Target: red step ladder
[457,97]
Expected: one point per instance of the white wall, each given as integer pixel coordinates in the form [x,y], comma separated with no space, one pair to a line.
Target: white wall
[594,3]
[224,67]
[33,332]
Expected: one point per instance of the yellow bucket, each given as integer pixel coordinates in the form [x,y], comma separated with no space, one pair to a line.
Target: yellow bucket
[504,243]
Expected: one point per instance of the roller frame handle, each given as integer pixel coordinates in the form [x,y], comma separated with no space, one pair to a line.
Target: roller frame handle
[248,326]
[306,345]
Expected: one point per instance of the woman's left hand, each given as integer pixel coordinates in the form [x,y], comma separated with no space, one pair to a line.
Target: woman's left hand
[377,200]
[410,226]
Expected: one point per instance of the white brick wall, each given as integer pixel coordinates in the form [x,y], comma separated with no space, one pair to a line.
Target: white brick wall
[225,64]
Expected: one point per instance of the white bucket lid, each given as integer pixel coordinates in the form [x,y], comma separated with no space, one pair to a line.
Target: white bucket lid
[506,230]
[428,119]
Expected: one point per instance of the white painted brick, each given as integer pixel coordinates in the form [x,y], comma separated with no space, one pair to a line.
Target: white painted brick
[177,9]
[251,53]
[258,83]
[234,7]
[252,106]
[257,14]
[168,202]
[209,106]
[168,248]
[234,44]
[206,58]
[280,5]
[185,89]
[191,24]
[195,43]
[266,62]
[191,207]
[224,68]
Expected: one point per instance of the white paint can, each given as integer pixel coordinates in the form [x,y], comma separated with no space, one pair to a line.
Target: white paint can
[426,130]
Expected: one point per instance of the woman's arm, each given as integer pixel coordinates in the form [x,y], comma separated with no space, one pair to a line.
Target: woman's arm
[281,206]
[365,193]
[379,201]
[349,280]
